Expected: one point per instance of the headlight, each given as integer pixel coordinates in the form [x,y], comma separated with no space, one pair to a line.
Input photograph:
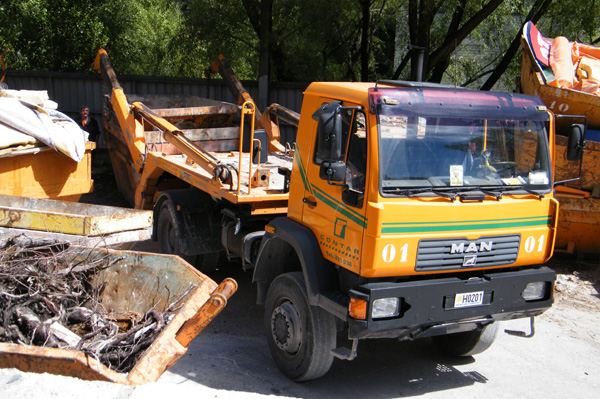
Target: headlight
[385,307]
[534,291]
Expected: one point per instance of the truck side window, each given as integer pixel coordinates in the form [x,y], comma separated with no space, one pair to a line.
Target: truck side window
[356,160]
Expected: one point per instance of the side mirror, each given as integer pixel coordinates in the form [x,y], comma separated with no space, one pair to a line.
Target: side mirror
[576,142]
[575,147]
[333,171]
[329,131]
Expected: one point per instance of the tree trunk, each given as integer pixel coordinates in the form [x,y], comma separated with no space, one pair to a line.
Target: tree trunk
[364,39]
[266,8]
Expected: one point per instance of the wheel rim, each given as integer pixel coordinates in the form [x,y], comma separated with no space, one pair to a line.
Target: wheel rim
[286,327]
[168,237]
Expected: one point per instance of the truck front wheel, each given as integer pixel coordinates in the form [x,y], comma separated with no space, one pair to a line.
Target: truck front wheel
[468,343]
[300,336]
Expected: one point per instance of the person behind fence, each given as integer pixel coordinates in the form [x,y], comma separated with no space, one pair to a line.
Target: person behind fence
[87,123]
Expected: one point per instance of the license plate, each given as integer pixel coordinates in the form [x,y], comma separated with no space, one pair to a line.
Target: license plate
[468,299]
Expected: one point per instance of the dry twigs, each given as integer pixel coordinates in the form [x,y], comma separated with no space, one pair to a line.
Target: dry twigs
[48,299]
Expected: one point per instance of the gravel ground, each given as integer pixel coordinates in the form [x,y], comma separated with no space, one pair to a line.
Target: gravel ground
[230,358]
[577,283]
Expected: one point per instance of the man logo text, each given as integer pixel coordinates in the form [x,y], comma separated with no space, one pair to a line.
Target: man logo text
[472,247]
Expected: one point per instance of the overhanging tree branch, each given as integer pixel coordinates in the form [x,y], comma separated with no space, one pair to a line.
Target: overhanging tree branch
[538,9]
[451,42]
[457,16]
[402,65]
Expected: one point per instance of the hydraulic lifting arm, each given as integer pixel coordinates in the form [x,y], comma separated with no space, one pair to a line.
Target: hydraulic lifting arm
[131,120]
[133,132]
[268,120]
[176,137]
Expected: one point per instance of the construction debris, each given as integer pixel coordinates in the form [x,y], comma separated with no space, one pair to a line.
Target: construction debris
[50,300]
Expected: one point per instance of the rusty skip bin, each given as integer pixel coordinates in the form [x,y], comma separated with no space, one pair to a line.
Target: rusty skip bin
[136,282]
[85,224]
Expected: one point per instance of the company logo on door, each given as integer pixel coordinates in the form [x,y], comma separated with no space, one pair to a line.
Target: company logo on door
[336,248]
[340,228]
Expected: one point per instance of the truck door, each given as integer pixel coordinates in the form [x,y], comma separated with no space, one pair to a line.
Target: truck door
[335,211]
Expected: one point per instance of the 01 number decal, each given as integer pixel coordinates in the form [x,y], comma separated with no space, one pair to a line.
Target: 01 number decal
[531,244]
[389,253]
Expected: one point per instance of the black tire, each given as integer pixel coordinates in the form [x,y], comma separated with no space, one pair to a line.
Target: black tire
[468,343]
[169,233]
[300,336]
[209,262]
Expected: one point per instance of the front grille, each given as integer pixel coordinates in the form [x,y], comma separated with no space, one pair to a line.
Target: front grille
[486,251]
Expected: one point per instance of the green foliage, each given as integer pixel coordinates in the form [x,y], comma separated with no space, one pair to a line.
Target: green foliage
[478,55]
[148,37]
[318,45]
[58,35]
[141,36]
[308,39]
[578,20]
[223,27]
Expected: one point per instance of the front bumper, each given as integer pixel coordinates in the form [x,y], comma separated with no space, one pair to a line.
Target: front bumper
[427,306]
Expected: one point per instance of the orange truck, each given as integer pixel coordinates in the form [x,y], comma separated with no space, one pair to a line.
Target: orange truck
[403,210]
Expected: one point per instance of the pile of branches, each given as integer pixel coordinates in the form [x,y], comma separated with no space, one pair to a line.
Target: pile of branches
[48,299]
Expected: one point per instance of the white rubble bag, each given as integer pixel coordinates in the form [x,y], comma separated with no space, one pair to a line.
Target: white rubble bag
[24,122]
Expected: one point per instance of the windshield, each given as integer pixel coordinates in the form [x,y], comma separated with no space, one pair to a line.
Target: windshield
[435,146]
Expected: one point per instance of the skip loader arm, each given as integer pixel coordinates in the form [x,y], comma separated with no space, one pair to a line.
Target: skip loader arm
[133,132]
[268,120]
[221,66]
[176,137]
[131,119]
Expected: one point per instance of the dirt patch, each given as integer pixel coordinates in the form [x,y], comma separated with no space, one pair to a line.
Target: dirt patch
[577,282]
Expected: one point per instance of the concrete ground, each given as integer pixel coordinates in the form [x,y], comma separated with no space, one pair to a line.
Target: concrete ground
[230,359]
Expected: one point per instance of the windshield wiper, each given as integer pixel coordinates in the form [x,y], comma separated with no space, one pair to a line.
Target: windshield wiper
[491,193]
[452,192]
[448,192]
[500,190]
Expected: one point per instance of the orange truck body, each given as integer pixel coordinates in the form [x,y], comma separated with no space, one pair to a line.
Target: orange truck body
[371,224]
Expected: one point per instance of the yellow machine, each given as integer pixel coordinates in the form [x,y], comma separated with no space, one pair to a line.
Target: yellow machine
[403,210]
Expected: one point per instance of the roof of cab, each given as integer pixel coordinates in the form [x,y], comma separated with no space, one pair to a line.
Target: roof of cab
[348,91]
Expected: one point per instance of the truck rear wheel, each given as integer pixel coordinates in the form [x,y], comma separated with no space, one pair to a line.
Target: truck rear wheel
[169,233]
[468,343]
[300,336]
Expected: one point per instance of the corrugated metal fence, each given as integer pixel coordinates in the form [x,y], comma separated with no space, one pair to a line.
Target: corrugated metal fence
[71,90]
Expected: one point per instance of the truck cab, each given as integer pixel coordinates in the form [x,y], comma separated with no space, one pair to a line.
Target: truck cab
[414,210]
